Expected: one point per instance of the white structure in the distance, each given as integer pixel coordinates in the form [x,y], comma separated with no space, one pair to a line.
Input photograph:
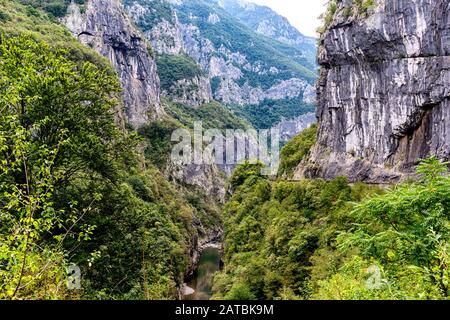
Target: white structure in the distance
[289,128]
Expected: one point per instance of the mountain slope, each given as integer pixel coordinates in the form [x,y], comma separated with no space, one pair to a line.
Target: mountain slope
[143,209]
[244,67]
[265,21]
[102,25]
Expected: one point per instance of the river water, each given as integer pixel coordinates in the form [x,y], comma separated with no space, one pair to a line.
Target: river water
[201,280]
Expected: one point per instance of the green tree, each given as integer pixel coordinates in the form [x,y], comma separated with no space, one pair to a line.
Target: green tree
[295,150]
[56,121]
[407,231]
[243,172]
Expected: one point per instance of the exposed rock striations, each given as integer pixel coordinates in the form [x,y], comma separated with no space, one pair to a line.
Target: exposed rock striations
[104,27]
[384,91]
[243,67]
[161,26]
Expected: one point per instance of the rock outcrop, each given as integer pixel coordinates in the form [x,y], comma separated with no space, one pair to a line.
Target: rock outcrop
[192,92]
[289,128]
[105,27]
[203,31]
[384,91]
[166,36]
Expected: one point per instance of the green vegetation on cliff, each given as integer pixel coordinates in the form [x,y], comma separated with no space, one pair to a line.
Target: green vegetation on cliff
[329,240]
[358,7]
[295,150]
[22,19]
[56,8]
[213,115]
[232,34]
[173,68]
[74,188]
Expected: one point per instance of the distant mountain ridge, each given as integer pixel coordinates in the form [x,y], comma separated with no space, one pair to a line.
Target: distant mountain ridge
[266,21]
[243,67]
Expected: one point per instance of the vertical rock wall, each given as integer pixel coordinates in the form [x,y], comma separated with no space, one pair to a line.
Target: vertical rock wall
[384,91]
[105,27]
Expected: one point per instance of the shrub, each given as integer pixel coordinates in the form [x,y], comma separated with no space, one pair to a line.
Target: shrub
[172,68]
[295,151]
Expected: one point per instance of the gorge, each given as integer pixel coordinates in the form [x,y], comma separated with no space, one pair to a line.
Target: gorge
[91,92]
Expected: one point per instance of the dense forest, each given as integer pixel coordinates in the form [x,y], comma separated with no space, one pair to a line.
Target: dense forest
[60,203]
[76,186]
[317,239]
[79,186]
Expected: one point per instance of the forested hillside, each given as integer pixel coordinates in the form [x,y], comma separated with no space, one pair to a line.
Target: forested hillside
[75,187]
[91,92]
[317,239]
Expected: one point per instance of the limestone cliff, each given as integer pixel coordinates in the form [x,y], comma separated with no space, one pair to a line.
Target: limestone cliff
[244,68]
[289,128]
[104,27]
[384,90]
[193,92]
[160,25]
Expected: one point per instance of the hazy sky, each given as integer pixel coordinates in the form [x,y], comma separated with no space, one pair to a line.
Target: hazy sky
[303,14]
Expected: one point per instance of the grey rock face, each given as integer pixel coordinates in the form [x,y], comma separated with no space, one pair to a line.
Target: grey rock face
[209,178]
[289,128]
[384,91]
[193,92]
[105,27]
[167,37]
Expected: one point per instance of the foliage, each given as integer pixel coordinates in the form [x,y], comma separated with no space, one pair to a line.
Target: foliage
[360,7]
[295,150]
[328,16]
[408,228]
[243,172]
[213,115]
[364,5]
[173,68]
[274,230]
[158,137]
[270,112]
[329,240]
[48,134]
[142,242]
[57,8]
[30,20]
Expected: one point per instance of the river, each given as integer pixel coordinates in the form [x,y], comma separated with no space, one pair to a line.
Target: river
[201,281]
